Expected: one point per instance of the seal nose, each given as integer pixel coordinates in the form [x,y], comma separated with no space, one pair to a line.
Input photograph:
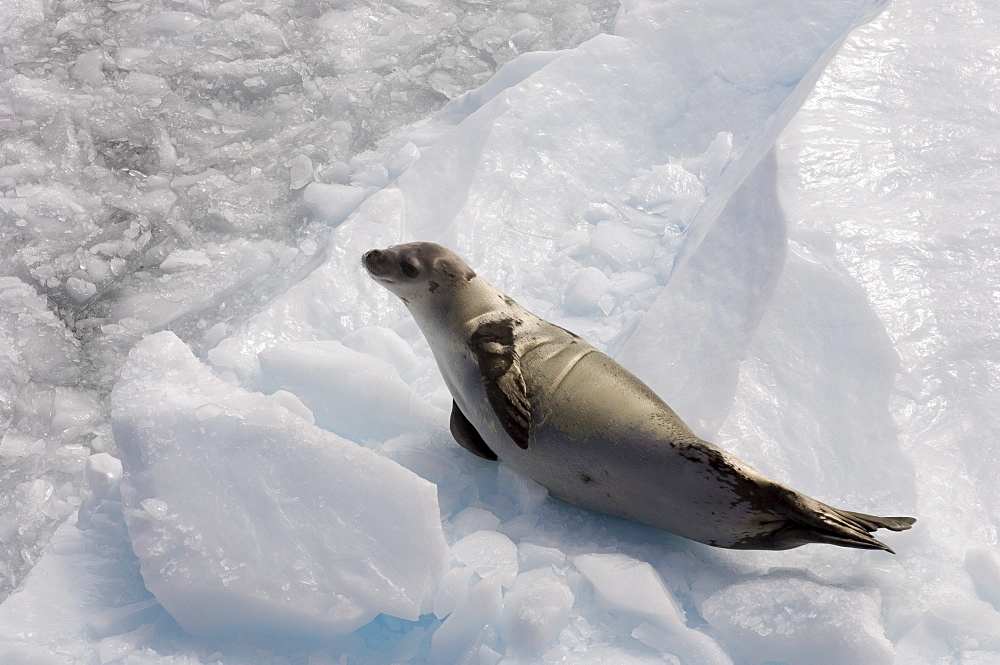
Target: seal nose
[370,259]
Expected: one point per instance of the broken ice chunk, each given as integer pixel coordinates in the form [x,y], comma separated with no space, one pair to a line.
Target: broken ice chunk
[629,586]
[256,521]
[488,553]
[535,609]
[792,620]
[353,394]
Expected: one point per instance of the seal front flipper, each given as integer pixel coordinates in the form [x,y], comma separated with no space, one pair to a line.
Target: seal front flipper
[467,435]
[492,344]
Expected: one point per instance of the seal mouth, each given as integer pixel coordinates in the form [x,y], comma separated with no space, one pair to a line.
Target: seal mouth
[370,260]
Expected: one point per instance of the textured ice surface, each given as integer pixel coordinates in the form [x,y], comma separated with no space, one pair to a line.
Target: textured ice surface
[46,425]
[247,518]
[798,621]
[624,585]
[216,170]
[535,609]
[488,554]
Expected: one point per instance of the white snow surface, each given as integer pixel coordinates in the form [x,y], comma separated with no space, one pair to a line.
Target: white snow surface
[222,443]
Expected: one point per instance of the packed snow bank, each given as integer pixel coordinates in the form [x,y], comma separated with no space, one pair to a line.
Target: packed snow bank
[247,518]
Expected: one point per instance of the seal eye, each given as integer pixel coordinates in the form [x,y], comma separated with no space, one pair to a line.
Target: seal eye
[408,270]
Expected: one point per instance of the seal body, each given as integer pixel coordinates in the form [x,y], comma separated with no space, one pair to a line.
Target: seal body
[559,411]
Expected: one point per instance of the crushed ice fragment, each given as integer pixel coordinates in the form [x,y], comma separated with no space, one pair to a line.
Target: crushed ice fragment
[788,619]
[527,494]
[300,171]
[536,608]
[481,608]
[489,554]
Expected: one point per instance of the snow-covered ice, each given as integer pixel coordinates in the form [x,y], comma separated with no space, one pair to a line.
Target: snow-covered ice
[221,443]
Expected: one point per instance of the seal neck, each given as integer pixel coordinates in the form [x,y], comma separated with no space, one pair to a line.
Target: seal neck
[472,303]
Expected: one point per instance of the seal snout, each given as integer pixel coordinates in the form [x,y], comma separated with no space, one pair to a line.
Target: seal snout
[371,260]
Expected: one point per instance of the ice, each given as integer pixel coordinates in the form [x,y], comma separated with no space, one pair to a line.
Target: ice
[104,476]
[526,494]
[333,202]
[535,609]
[300,171]
[472,624]
[146,85]
[184,259]
[628,586]
[356,395]
[20,16]
[589,292]
[173,22]
[818,299]
[119,647]
[533,556]
[80,290]
[452,591]
[797,621]
[179,293]
[311,535]
[983,566]
[84,589]
[89,68]
[385,344]
[741,259]
[489,554]
[621,246]
[471,520]
[44,417]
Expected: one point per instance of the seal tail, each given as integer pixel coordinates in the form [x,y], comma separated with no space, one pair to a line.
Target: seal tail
[811,521]
[872,523]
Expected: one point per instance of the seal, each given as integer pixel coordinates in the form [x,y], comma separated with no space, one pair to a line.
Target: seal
[559,411]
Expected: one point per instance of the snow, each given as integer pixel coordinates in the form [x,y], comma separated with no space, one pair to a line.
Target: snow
[221,443]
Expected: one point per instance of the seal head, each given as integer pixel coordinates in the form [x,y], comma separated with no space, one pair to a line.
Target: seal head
[415,269]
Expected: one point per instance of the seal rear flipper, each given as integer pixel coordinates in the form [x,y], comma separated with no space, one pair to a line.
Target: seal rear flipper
[811,521]
[874,522]
[493,347]
[795,534]
[467,435]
